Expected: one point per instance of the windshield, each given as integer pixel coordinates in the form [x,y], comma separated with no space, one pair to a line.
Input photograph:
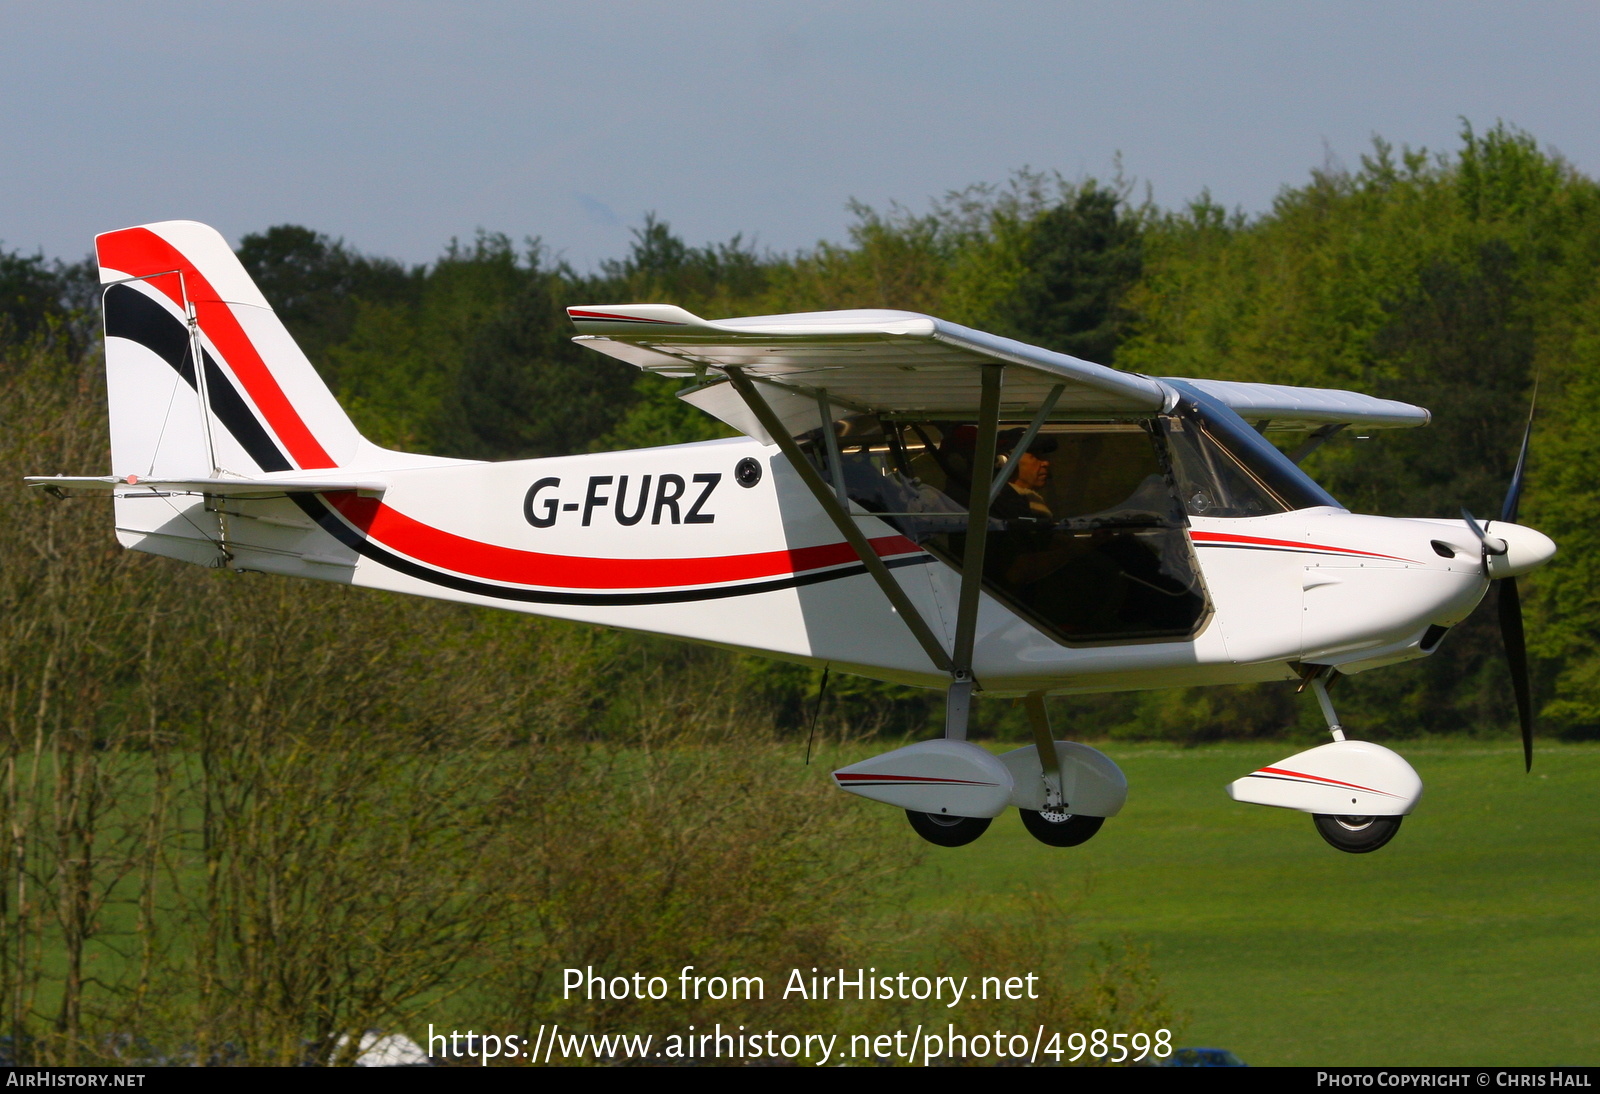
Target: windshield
[1226,469]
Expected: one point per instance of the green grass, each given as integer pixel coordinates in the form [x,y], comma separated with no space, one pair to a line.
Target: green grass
[1471,939]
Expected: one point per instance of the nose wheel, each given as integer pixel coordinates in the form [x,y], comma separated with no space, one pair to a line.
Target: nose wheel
[1356,835]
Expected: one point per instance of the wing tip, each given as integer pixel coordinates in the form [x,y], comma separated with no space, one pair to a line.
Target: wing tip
[631,318]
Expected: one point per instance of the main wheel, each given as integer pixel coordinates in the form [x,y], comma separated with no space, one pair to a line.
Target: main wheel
[1060,829]
[1357,835]
[945,830]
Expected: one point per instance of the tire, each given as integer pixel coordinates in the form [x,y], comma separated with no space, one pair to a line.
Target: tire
[1356,835]
[945,830]
[1060,829]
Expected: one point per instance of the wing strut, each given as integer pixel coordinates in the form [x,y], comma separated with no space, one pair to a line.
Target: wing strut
[1004,473]
[831,439]
[841,519]
[958,706]
[1314,442]
[958,701]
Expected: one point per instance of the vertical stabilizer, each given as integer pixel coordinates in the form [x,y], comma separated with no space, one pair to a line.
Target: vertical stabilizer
[176,289]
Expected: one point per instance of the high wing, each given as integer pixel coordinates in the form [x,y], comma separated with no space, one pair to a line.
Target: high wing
[903,363]
[866,361]
[1284,407]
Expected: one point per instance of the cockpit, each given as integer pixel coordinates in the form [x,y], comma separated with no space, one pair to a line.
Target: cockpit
[1087,530]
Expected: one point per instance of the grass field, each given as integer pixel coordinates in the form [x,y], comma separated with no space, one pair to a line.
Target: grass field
[1471,939]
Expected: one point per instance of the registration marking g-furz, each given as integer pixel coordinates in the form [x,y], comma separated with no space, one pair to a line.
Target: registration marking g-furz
[624,499]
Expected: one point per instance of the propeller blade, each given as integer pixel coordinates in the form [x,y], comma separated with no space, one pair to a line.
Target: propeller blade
[1491,546]
[1508,510]
[1509,603]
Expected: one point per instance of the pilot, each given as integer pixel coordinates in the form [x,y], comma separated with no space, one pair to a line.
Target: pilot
[1021,497]
[1064,576]
[1021,550]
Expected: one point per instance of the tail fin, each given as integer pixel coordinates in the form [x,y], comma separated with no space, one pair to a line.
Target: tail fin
[256,405]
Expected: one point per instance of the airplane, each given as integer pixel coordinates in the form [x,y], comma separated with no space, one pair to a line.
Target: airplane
[908,500]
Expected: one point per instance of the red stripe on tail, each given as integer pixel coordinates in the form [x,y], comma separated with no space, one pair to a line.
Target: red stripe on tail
[140,252]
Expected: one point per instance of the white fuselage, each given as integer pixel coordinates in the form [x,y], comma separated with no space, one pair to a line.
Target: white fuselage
[667,540]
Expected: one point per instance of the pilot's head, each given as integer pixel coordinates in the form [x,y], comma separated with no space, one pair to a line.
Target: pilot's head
[1032,469]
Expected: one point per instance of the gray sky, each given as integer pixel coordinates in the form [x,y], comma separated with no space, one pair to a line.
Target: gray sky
[400,125]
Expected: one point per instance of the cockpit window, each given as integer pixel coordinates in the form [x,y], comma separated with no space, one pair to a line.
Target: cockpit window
[1086,537]
[1088,526]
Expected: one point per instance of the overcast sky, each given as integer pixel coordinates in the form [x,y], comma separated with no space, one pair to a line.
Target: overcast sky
[400,125]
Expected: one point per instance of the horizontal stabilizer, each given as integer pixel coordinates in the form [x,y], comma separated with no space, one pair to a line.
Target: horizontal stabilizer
[133,485]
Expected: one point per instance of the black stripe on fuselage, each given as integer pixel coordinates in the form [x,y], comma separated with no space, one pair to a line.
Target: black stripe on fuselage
[317,509]
[1293,551]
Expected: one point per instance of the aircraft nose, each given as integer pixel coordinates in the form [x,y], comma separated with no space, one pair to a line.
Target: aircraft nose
[1526,549]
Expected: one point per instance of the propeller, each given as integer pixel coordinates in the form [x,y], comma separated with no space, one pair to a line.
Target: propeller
[1508,602]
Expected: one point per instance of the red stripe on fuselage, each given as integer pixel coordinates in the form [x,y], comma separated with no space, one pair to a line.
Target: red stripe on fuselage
[140,252]
[491,562]
[1223,539]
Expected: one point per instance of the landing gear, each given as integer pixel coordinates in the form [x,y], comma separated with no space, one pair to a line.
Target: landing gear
[1356,835]
[945,830]
[1060,829]
[1371,787]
